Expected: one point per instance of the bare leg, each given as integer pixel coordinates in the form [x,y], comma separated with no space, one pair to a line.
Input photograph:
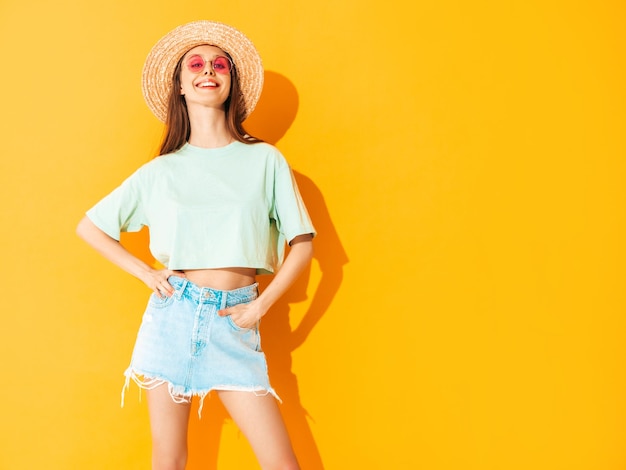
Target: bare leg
[260,421]
[168,424]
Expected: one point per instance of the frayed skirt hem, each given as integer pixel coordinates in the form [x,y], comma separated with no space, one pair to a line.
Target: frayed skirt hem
[178,393]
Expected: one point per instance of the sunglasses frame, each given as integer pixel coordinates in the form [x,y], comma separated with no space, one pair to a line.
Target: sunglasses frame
[211,64]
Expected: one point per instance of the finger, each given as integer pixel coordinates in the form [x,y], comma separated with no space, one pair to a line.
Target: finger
[169,290]
[223,313]
[165,288]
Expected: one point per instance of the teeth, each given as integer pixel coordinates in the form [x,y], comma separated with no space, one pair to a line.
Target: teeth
[207,84]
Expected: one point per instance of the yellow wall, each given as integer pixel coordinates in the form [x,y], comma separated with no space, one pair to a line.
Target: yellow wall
[464,163]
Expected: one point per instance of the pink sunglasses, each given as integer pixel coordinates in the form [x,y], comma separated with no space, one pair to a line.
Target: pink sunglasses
[220,64]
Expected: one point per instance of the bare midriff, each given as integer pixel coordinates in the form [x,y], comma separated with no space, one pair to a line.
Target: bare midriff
[223,278]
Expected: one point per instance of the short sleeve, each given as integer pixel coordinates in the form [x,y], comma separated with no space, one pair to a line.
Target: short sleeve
[121,210]
[289,211]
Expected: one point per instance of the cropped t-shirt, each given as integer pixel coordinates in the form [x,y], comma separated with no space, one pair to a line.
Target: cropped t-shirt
[233,206]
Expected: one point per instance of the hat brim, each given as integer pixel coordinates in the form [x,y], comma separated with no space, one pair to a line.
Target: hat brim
[162,59]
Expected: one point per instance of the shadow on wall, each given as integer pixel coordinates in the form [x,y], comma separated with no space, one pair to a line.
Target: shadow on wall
[272,117]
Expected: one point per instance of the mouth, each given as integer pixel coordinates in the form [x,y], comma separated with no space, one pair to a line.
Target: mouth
[207,84]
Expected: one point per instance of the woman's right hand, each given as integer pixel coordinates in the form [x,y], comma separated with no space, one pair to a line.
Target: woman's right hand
[156,280]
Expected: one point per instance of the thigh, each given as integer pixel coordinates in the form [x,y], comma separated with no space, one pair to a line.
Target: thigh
[168,425]
[260,421]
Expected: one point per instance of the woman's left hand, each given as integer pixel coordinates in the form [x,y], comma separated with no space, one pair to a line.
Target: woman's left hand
[243,315]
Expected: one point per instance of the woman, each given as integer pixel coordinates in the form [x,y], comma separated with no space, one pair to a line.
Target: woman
[220,205]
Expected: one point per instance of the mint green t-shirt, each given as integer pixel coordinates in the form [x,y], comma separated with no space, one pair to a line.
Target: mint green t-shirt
[233,206]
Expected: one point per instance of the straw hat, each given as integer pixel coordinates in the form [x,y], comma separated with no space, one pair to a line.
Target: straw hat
[162,59]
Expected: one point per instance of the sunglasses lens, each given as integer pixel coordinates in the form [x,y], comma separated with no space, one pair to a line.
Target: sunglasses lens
[221,65]
[195,64]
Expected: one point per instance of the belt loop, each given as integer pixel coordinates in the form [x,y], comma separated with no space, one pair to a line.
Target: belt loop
[224,300]
[179,292]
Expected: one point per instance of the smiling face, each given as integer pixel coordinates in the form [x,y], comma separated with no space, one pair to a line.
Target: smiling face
[205,77]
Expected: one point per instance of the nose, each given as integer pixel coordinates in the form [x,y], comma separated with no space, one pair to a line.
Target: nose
[208,69]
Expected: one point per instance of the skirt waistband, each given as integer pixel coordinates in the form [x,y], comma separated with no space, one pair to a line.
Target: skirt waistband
[223,298]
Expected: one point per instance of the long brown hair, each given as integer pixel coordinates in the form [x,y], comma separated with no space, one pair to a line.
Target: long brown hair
[177,126]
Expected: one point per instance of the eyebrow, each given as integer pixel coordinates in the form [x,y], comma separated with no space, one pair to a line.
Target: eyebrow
[200,55]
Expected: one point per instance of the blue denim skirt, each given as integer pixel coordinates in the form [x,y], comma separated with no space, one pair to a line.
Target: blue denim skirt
[183,342]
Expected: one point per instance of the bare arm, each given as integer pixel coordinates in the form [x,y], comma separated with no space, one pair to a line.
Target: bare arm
[300,255]
[111,249]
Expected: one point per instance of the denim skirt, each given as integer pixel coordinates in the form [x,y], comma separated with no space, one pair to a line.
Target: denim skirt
[183,342]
